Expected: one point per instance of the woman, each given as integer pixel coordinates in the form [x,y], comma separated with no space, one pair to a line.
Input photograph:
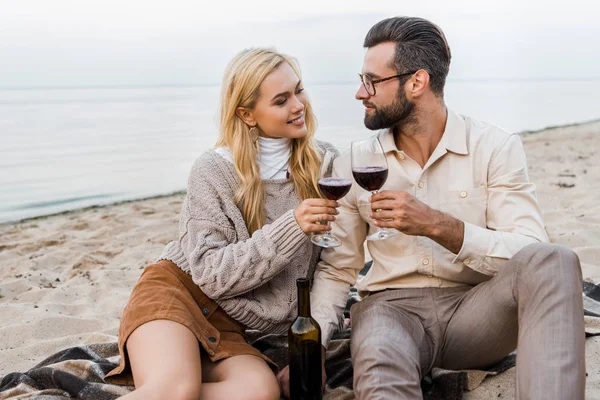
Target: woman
[251,204]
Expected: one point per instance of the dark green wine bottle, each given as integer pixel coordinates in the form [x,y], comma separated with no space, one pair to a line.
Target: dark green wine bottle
[304,338]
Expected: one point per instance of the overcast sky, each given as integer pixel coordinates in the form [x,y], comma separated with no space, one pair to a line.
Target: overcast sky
[143,42]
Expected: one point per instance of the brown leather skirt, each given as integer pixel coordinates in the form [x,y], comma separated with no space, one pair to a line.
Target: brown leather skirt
[164,291]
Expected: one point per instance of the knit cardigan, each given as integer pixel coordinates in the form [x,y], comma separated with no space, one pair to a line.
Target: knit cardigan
[252,277]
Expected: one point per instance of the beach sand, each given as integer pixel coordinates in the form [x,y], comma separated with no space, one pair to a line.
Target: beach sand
[65,279]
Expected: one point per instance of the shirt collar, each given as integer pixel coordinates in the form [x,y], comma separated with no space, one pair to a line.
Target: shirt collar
[454,138]
[386,138]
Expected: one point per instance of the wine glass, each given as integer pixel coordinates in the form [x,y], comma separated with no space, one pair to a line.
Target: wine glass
[370,171]
[332,188]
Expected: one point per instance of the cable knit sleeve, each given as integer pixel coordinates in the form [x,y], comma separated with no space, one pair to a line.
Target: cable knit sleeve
[222,265]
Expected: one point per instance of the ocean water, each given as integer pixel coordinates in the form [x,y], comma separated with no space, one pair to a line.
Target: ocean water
[63,149]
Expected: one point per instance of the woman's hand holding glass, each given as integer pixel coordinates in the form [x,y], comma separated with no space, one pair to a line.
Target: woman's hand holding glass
[313,215]
[332,188]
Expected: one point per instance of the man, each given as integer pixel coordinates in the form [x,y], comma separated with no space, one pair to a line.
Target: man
[470,275]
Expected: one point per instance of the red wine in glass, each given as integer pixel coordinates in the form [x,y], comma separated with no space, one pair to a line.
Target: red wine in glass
[370,171]
[334,188]
[370,178]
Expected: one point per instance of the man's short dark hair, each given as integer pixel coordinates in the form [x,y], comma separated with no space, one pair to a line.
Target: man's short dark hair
[420,44]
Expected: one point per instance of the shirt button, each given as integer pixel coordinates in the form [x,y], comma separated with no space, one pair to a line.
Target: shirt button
[425,261]
[212,339]
[467,261]
[205,311]
[421,184]
[401,156]
[463,194]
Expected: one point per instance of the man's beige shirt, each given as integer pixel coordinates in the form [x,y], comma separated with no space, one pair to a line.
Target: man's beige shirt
[478,174]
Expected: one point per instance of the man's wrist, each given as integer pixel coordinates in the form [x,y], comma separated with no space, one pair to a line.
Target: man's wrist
[434,229]
[446,230]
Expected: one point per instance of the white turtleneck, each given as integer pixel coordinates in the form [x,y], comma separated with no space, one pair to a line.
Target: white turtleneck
[273,158]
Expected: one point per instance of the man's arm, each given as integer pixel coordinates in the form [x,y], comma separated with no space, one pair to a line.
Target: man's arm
[339,266]
[514,219]
[409,215]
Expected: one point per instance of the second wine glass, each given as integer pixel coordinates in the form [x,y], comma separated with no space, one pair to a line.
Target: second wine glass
[370,171]
[332,188]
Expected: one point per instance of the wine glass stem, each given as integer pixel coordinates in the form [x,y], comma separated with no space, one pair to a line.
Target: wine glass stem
[327,234]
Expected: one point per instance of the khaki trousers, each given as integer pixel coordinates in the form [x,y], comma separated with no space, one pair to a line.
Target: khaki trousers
[534,304]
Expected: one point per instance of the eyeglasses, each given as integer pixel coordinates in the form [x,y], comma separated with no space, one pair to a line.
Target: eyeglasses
[369,83]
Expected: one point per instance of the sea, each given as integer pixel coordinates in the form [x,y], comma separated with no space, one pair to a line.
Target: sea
[68,148]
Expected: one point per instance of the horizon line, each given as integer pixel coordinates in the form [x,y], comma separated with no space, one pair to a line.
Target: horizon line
[315,83]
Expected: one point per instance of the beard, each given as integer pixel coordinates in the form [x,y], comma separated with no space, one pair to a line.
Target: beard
[399,113]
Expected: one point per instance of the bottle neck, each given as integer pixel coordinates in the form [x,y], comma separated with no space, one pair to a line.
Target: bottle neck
[304,302]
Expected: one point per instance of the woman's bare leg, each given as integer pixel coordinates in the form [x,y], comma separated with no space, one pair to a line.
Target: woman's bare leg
[166,364]
[243,377]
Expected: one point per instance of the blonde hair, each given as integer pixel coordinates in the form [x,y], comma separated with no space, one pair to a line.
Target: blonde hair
[241,84]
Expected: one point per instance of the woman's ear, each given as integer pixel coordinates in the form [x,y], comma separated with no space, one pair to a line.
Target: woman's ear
[246,116]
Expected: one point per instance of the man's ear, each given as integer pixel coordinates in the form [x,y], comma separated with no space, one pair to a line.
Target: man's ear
[419,82]
[246,116]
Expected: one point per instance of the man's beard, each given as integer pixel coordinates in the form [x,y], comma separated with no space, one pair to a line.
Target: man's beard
[399,113]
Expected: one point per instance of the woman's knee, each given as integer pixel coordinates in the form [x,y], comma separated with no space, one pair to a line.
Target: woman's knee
[267,392]
[244,377]
[189,390]
[256,386]
[171,389]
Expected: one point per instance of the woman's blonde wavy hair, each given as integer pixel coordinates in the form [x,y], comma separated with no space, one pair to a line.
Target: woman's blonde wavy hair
[241,84]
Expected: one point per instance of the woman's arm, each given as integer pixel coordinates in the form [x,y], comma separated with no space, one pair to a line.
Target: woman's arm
[221,265]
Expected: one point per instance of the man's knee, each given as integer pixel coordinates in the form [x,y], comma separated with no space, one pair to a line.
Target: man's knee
[381,330]
[380,319]
[385,356]
[548,258]
[549,266]
[379,347]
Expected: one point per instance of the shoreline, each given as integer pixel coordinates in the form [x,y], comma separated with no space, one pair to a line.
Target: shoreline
[523,134]
[553,127]
[74,210]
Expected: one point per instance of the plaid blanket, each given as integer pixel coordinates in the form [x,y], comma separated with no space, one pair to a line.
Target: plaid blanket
[78,372]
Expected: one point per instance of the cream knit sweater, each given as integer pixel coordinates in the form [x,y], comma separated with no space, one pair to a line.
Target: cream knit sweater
[253,278]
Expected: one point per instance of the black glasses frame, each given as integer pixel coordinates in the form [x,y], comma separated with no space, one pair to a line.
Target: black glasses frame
[367,81]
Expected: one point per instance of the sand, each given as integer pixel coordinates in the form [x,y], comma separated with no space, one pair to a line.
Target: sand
[65,279]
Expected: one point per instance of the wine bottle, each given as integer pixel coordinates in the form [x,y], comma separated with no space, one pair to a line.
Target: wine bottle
[304,339]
